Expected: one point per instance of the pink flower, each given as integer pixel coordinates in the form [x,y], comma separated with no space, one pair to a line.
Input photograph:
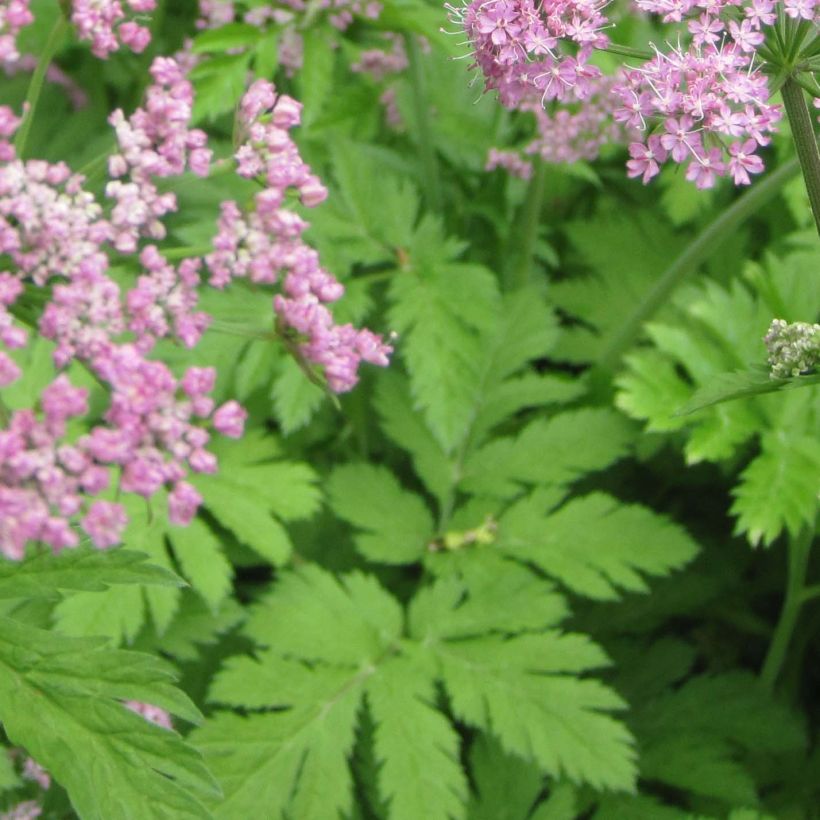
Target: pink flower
[646,159]
[104,523]
[743,161]
[230,418]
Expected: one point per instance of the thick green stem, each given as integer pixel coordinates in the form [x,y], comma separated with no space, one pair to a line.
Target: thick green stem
[520,269]
[689,260]
[799,548]
[55,39]
[805,141]
[427,152]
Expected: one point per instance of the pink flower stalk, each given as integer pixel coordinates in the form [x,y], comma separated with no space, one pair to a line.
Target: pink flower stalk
[266,246]
[104,24]
[14,16]
[154,142]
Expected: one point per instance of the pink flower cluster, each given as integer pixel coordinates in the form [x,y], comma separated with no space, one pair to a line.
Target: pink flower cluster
[703,103]
[708,103]
[33,771]
[14,16]
[154,142]
[155,429]
[523,48]
[265,244]
[105,24]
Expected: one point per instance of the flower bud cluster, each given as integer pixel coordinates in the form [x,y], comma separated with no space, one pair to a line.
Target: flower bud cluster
[265,245]
[794,348]
[154,142]
[14,16]
[107,26]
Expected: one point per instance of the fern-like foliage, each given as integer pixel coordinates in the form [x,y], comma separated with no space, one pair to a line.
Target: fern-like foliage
[719,329]
[523,687]
[60,698]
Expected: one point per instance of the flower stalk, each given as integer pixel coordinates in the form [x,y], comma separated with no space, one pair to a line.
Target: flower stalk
[805,141]
[799,549]
[35,88]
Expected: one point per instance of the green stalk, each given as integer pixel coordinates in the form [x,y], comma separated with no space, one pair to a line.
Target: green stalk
[429,164]
[55,39]
[799,548]
[627,51]
[518,273]
[805,141]
[688,261]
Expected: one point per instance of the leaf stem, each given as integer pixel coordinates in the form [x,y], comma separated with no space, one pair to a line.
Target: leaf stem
[520,269]
[430,174]
[799,548]
[805,141]
[688,261]
[627,51]
[55,39]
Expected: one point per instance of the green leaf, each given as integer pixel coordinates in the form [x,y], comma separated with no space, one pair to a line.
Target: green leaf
[440,338]
[525,691]
[225,38]
[60,699]
[46,574]
[626,253]
[507,786]
[316,74]
[595,545]
[117,613]
[548,451]
[295,398]
[202,561]
[742,384]
[416,747]
[699,737]
[396,523]
[407,429]
[780,489]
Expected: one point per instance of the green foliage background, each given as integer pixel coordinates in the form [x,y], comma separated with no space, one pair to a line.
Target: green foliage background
[496,583]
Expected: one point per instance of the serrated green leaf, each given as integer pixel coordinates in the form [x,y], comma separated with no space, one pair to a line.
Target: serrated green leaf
[780,489]
[406,428]
[548,451]
[415,745]
[60,699]
[45,575]
[507,786]
[396,523]
[440,339]
[595,545]
[202,561]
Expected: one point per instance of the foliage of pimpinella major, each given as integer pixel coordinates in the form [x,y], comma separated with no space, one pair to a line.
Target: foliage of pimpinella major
[718,329]
[330,647]
[62,700]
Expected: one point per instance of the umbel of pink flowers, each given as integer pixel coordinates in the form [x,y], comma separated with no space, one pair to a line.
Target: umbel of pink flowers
[156,429]
[702,103]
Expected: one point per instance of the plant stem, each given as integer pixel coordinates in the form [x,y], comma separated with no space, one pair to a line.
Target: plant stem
[55,39]
[688,261]
[430,176]
[518,273]
[627,51]
[799,547]
[805,141]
